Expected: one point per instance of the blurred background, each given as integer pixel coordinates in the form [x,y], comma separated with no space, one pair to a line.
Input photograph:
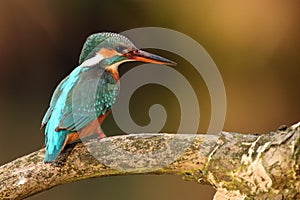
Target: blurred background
[255,45]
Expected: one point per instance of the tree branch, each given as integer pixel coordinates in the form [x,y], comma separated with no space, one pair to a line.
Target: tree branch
[239,166]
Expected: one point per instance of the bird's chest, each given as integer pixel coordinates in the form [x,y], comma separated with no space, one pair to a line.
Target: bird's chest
[107,90]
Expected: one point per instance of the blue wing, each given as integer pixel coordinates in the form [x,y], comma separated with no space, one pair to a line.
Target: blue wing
[55,140]
[53,101]
[79,99]
[89,99]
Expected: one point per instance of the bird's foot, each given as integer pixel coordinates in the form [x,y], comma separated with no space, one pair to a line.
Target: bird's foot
[101,135]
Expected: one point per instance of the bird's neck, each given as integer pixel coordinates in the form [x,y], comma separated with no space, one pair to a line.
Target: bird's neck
[113,69]
[97,59]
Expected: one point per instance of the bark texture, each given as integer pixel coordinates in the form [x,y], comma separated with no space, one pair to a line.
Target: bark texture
[239,166]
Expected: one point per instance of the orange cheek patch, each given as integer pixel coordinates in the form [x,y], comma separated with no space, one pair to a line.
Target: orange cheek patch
[106,53]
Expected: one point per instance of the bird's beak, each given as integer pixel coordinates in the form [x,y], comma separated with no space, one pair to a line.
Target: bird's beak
[143,56]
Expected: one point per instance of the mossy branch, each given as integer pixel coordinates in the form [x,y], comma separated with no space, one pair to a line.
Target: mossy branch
[239,166]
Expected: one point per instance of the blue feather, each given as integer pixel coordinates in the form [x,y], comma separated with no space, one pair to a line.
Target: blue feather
[80,98]
[54,140]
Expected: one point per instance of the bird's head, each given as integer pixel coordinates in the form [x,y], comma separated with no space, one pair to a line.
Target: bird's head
[112,49]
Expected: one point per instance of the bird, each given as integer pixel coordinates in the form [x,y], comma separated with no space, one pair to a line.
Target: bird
[83,99]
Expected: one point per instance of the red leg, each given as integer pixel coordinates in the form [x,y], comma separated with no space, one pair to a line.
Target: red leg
[100,120]
[100,133]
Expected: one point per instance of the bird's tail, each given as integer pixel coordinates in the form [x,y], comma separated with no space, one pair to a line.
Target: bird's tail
[50,157]
[55,142]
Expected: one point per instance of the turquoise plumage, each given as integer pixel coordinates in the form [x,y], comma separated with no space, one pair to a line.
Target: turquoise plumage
[83,99]
[75,103]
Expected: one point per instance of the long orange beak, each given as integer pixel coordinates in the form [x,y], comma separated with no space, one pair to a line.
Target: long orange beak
[143,56]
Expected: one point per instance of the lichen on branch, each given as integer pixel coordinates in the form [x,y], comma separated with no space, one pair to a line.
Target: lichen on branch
[238,166]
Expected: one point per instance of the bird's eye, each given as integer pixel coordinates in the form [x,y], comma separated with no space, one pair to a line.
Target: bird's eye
[129,53]
[121,49]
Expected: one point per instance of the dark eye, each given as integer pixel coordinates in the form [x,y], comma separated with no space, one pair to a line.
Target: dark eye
[121,49]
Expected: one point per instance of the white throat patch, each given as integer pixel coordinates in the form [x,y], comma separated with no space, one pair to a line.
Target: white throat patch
[92,61]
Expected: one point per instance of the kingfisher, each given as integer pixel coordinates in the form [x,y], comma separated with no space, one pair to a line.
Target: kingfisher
[84,98]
